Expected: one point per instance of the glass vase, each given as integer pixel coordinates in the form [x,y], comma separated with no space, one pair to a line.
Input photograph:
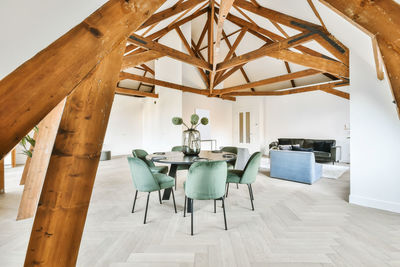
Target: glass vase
[191,142]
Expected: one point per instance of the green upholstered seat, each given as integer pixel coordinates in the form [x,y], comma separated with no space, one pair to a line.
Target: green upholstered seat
[233,150]
[206,181]
[164,180]
[146,181]
[234,176]
[247,176]
[141,154]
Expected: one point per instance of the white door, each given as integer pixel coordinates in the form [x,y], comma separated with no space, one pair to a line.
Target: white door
[246,128]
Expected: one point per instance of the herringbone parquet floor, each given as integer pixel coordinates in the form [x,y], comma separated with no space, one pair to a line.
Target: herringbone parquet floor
[293,225]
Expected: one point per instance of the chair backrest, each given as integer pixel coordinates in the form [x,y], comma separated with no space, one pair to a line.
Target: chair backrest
[177,148]
[206,180]
[251,169]
[142,177]
[230,149]
[141,154]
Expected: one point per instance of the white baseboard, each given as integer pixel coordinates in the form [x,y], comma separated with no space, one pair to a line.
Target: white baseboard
[375,203]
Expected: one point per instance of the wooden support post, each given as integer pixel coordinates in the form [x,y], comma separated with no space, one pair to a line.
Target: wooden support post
[40,161]
[64,201]
[51,75]
[1,176]
[13,158]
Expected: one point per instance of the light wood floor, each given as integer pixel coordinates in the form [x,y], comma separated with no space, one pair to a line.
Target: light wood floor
[293,225]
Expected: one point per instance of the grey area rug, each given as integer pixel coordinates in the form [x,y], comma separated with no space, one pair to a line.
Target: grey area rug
[328,170]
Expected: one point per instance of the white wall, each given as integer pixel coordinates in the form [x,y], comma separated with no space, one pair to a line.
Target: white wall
[125,129]
[314,115]
[375,126]
[220,116]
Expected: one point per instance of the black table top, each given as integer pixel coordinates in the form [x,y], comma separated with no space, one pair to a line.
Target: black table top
[181,159]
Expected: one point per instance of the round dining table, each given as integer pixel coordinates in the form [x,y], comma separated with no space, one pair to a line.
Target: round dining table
[176,158]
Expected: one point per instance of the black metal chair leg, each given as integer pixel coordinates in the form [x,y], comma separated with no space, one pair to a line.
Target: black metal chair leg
[173,198]
[134,202]
[223,203]
[251,197]
[184,207]
[237,185]
[191,217]
[159,196]
[147,205]
[227,189]
[215,206]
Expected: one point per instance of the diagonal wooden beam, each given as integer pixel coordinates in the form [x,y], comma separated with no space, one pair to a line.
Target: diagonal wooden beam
[304,89]
[130,76]
[380,19]
[46,136]
[325,65]
[203,34]
[231,53]
[148,69]
[224,8]
[379,65]
[51,75]
[276,16]
[138,59]
[289,71]
[132,92]
[265,50]
[189,49]
[210,51]
[336,93]
[316,13]
[169,12]
[173,53]
[281,78]
[169,28]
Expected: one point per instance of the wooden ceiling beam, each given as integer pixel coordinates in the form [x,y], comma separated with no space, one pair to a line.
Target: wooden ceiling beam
[379,19]
[203,34]
[324,65]
[169,28]
[148,69]
[278,17]
[281,78]
[173,53]
[336,92]
[169,12]
[267,35]
[138,59]
[316,13]
[304,89]
[130,76]
[265,50]
[210,50]
[132,92]
[51,75]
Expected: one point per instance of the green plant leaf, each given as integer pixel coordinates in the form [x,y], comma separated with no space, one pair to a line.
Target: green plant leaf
[194,119]
[204,121]
[177,121]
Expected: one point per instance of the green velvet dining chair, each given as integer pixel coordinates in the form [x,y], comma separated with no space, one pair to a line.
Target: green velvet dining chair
[233,150]
[206,181]
[141,154]
[247,176]
[147,181]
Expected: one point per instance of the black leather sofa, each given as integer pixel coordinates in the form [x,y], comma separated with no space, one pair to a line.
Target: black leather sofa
[324,150]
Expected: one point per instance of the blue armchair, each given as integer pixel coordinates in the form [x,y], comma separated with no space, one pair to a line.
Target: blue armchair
[295,166]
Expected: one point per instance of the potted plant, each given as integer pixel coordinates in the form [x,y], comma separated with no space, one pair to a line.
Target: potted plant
[191,137]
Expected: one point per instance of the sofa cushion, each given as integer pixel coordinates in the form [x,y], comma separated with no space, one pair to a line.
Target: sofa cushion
[291,141]
[298,148]
[322,154]
[308,143]
[319,145]
[284,141]
[285,147]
